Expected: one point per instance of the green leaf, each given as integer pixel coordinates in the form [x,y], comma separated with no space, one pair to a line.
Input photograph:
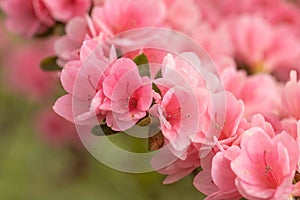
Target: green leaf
[158,75]
[155,88]
[144,121]
[119,53]
[102,130]
[57,29]
[49,64]
[47,33]
[142,62]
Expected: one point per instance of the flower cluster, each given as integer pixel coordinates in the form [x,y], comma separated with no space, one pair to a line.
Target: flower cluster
[234,122]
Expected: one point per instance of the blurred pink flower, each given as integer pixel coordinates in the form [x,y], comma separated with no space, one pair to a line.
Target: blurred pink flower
[265,168]
[260,46]
[251,90]
[215,40]
[55,130]
[252,36]
[183,15]
[23,72]
[291,96]
[107,20]
[254,95]
[64,10]
[26,17]
[116,16]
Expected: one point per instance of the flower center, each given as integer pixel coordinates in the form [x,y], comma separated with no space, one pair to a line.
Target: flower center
[132,103]
[271,177]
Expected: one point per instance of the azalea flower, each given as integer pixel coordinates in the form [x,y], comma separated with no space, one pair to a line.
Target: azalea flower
[266,166]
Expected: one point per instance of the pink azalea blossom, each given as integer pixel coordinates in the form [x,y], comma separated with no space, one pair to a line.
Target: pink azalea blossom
[266,166]
[113,92]
[219,181]
[257,120]
[27,17]
[180,168]
[68,46]
[129,94]
[169,114]
[234,112]
[185,100]
[80,79]
[233,80]
[64,10]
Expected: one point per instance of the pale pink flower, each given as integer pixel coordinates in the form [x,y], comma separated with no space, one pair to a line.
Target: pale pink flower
[219,181]
[178,114]
[233,80]
[168,111]
[129,94]
[291,126]
[80,78]
[185,99]
[291,96]
[257,120]
[266,166]
[63,107]
[26,17]
[68,46]
[64,10]
[234,112]
[179,168]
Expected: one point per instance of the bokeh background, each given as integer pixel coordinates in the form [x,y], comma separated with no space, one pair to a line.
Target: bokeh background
[40,156]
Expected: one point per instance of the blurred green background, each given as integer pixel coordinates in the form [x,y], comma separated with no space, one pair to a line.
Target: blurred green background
[31,169]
